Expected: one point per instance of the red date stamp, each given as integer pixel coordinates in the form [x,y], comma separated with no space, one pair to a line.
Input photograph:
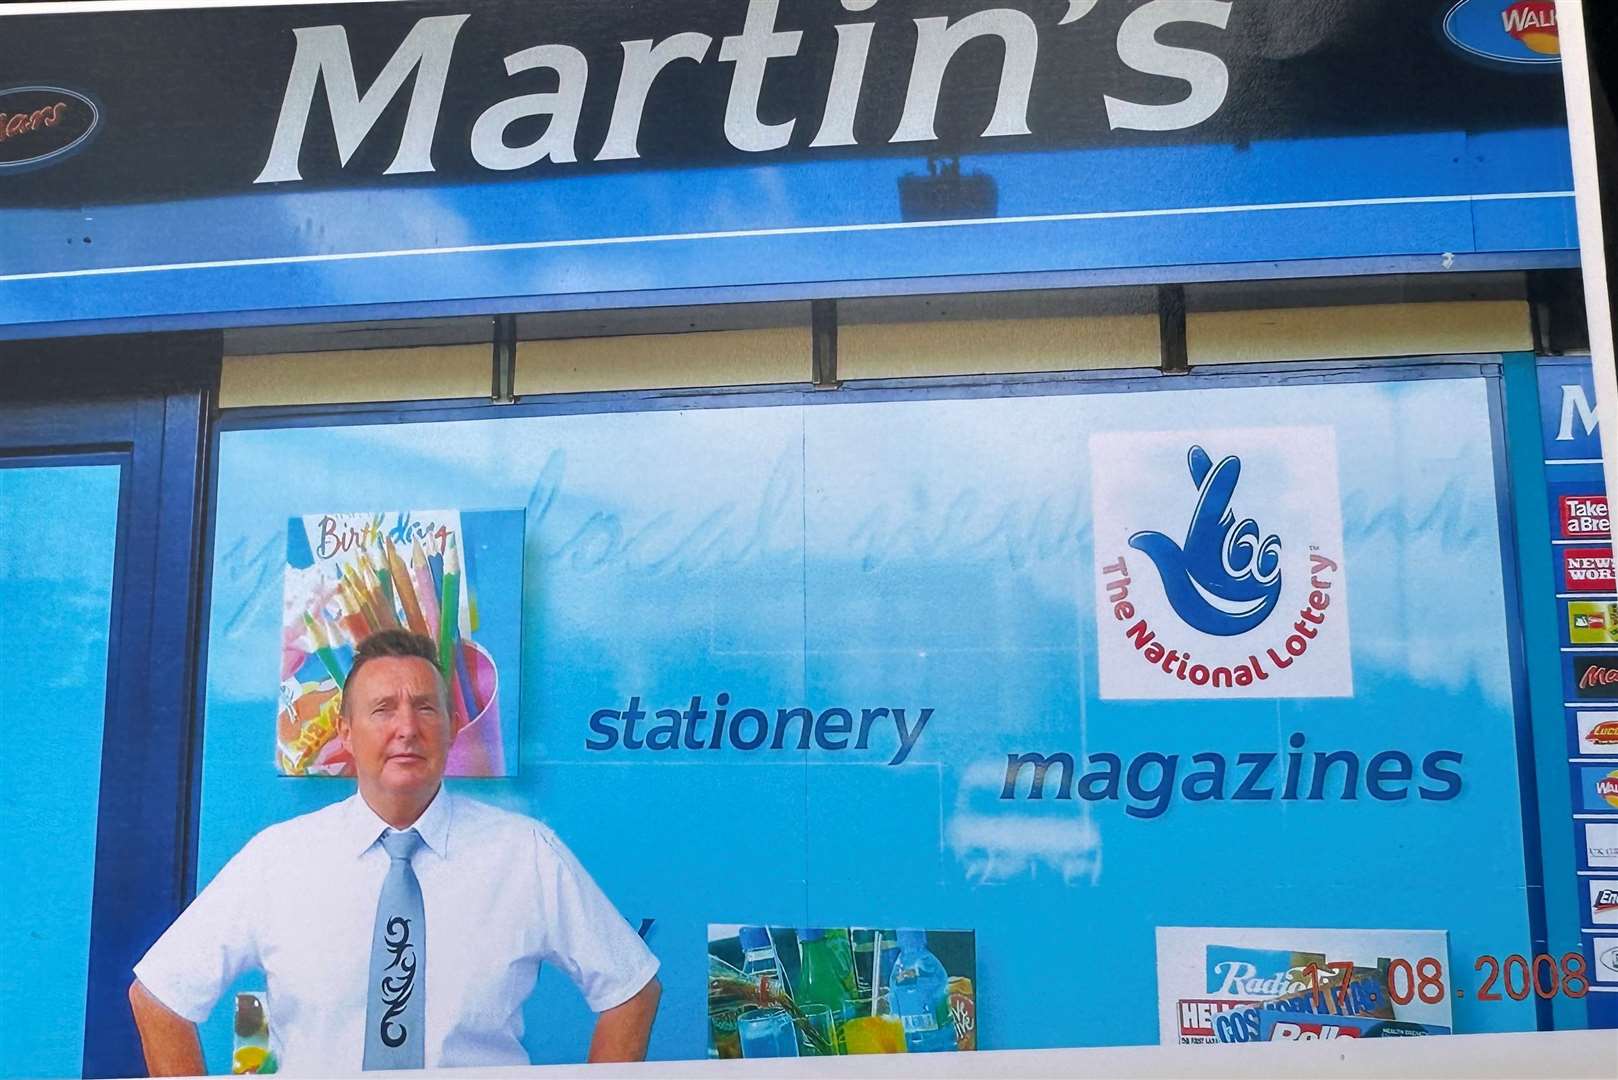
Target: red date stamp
[1543,976]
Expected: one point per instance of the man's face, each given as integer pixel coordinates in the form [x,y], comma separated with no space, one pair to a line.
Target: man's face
[396,726]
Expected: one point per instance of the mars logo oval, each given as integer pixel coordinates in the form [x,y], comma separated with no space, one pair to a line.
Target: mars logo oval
[1507,31]
[41,124]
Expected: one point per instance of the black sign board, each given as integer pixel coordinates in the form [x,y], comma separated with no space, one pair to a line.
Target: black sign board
[213,101]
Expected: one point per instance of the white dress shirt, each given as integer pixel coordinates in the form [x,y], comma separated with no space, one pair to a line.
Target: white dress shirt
[501,895]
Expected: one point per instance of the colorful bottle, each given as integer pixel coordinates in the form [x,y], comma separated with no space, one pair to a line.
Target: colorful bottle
[864,960]
[820,978]
[890,953]
[842,948]
[760,963]
[920,996]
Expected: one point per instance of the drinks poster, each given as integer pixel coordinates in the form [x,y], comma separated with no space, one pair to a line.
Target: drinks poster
[453,576]
[1238,985]
[776,991]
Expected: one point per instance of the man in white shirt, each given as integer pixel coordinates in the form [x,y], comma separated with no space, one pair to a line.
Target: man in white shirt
[403,927]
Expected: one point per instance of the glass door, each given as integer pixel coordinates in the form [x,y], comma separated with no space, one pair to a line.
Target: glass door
[58,557]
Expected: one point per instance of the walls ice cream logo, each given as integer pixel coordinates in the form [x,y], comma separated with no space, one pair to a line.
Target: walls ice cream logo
[1224,579]
[1606,788]
[1204,601]
[1533,22]
[1505,31]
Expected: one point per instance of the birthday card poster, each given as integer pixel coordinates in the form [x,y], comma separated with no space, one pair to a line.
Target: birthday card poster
[454,576]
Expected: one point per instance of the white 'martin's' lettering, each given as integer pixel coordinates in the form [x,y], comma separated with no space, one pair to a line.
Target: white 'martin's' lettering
[643,62]
[1139,48]
[847,79]
[937,42]
[1574,400]
[489,146]
[322,57]
[751,51]
[322,54]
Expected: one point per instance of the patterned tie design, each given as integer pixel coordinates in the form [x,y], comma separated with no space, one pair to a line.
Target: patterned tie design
[396,1002]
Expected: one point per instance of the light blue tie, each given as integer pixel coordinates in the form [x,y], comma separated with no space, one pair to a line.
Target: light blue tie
[396,995]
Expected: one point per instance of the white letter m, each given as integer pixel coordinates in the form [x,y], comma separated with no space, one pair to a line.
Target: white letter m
[1573,400]
[323,54]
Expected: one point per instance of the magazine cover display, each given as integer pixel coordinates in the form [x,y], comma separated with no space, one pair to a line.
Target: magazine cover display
[1227,985]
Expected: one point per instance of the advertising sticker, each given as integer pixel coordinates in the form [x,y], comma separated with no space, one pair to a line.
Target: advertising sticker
[1218,985]
[1587,569]
[1601,845]
[1594,677]
[1219,564]
[1598,788]
[1583,516]
[1604,902]
[1592,622]
[1606,954]
[1598,732]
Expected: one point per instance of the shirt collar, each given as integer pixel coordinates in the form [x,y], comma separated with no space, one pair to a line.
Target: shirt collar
[365,828]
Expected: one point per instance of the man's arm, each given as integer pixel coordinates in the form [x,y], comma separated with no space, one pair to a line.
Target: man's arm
[170,1041]
[621,1032]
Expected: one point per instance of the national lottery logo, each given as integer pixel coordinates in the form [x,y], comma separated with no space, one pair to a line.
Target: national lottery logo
[1219,559]
[1224,579]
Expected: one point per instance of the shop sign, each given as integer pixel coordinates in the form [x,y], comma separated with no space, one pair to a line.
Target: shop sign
[339,156]
[346,96]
